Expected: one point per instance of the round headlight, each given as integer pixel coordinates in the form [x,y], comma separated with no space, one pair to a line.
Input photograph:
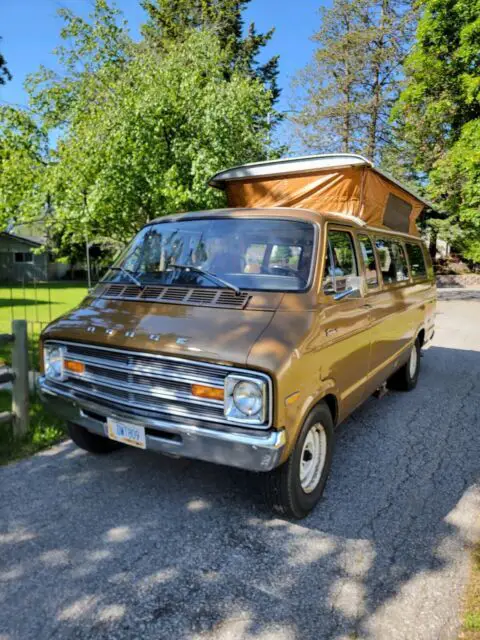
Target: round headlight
[54,363]
[248,398]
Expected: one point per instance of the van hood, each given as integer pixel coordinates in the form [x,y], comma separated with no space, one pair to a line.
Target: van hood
[204,333]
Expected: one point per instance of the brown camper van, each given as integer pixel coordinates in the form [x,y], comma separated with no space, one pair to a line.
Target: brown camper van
[244,336]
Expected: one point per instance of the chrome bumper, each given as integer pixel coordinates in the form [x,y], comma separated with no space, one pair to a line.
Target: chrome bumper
[255,451]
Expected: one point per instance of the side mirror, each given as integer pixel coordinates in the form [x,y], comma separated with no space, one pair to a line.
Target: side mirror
[345,294]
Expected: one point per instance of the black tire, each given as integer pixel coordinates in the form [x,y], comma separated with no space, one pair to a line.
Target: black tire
[282,486]
[405,379]
[90,441]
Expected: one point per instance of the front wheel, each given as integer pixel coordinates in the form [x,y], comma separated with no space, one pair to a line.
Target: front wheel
[294,488]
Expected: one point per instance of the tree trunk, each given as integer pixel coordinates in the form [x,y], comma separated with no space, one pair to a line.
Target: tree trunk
[432,244]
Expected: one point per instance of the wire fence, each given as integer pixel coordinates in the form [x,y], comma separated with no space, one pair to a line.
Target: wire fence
[38,303]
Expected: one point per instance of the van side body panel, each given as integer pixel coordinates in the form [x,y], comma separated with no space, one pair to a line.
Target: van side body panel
[347,348]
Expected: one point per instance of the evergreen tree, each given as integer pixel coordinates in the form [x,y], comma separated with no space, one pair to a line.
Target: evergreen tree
[172,20]
[348,90]
[4,72]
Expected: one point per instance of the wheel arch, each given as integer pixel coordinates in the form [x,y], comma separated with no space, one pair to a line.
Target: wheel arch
[332,403]
[421,336]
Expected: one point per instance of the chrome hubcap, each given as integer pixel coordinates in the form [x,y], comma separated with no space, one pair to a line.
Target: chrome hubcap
[312,461]
[413,362]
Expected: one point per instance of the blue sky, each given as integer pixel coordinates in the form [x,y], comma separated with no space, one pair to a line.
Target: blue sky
[30,29]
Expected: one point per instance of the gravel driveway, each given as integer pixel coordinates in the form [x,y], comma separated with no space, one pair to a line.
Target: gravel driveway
[141,546]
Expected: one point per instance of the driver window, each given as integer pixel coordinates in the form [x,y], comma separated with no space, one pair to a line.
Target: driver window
[369,261]
[340,263]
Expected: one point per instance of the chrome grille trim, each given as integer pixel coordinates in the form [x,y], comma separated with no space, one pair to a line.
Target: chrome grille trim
[144,401]
[144,370]
[157,391]
[169,393]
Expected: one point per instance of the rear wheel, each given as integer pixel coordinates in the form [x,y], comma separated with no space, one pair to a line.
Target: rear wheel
[294,488]
[406,378]
[90,441]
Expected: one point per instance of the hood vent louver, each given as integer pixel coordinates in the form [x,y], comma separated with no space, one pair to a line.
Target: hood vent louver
[174,294]
[148,293]
[223,298]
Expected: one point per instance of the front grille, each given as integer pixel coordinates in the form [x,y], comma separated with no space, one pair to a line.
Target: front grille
[143,383]
[225,299]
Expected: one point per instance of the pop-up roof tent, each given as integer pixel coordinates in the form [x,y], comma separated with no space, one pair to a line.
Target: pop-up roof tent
[330,183]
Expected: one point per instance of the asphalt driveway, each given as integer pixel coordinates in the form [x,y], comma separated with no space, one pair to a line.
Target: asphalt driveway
[140,546]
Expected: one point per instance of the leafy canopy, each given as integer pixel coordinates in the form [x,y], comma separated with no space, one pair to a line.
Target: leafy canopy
[438,115]
[149,145]
[24,155]
[172,21]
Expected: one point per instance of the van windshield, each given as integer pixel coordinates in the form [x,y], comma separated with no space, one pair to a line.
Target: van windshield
[259,254]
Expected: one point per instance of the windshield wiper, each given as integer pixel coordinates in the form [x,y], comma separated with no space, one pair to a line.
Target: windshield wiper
[129,274]
[207,274]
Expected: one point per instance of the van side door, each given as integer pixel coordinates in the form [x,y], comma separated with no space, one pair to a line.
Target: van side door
[391,326]
[373,296]
[422,290]
[343,333]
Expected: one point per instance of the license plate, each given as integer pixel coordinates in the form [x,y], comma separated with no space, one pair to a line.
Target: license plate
[127,433]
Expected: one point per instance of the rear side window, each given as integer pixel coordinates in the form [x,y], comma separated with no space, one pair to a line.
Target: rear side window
[340,263]
[393,263]
[417,260]
[368,257]
[397,214]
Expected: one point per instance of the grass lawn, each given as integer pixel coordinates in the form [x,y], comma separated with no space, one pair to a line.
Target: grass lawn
[471,620]
[38,305]
[44,431]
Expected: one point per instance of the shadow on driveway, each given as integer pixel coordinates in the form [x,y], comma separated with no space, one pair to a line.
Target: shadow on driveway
[139,545]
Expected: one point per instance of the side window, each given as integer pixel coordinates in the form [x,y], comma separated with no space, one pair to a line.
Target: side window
[284,256]
[340,264]
[417,260]
[254,256]
[393,262]
[368,257]
[397,214]
[400,261]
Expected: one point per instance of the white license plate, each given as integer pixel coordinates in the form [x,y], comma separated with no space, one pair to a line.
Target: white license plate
[126,433]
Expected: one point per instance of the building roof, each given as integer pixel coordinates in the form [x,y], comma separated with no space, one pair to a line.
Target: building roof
[303,164]
[34,242]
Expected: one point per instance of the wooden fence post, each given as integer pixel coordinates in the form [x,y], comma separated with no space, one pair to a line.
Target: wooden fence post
[20,386]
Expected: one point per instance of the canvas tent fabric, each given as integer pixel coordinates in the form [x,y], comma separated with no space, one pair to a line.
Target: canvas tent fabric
[350,185]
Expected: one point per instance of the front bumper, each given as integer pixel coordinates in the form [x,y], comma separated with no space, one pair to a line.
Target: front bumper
[254,451]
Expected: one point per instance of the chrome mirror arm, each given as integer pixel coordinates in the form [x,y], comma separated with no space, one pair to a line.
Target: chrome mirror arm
[345,294]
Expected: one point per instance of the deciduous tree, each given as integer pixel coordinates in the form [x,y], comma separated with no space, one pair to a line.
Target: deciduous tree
[159,131]
[24,158]
[438,117]
[138,129]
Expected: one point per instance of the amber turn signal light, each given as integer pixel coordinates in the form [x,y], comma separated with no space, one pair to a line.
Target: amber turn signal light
[202,391]
[74,366]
